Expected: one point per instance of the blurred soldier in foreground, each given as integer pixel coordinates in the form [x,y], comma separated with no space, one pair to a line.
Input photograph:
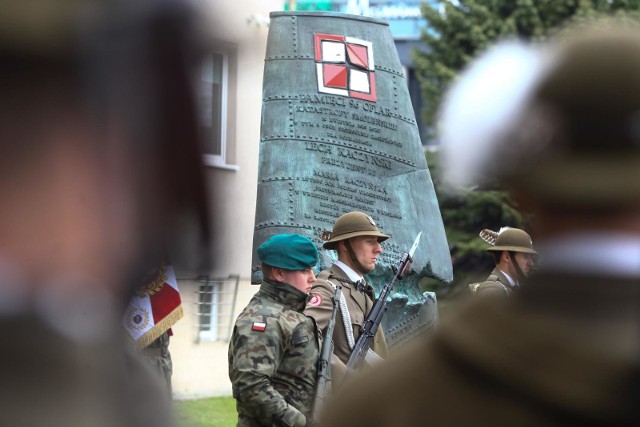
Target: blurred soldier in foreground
[274,348]
[514,255]
[565,349]
[357,239]
[98,162]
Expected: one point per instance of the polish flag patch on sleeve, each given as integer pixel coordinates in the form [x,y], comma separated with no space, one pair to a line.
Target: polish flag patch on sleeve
[315,300]
[259,326]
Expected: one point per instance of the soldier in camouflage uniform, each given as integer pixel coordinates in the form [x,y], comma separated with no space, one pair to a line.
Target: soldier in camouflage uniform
[274,348]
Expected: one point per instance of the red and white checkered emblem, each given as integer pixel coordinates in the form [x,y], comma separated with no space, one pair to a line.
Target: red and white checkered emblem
[344,66]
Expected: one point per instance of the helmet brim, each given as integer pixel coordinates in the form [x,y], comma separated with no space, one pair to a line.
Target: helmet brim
[511,249]
[333,243]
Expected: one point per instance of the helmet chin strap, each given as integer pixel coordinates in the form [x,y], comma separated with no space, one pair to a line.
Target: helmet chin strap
[516,267]
[354,259]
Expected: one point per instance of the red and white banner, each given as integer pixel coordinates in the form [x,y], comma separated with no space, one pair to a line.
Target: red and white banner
[154,309]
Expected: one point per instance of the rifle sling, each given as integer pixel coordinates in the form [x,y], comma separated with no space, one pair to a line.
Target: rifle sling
[344,309]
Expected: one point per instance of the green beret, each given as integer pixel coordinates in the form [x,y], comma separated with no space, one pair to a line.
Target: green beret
[289,251]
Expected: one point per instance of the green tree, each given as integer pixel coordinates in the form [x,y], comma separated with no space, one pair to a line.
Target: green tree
[460,30]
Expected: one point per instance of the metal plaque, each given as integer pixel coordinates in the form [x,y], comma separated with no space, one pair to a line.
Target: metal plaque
[339,134]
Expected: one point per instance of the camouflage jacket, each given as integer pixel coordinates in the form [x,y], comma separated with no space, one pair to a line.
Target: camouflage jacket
[272,358]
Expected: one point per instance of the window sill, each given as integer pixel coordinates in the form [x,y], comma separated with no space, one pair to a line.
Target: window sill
[207,337]
[218,164]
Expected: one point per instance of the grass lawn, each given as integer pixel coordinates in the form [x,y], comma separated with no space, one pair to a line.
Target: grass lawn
[214,412]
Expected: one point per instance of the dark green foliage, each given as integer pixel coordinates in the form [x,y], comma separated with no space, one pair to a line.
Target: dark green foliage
[467,28]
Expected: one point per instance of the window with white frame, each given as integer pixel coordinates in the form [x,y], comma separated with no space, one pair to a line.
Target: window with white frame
[208,311]
[213,91]
[216,304]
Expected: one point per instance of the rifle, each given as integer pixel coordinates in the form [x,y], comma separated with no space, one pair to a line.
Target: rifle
[324,362]
[372,322]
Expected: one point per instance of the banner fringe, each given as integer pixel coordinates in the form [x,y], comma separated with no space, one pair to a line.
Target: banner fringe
[159,328]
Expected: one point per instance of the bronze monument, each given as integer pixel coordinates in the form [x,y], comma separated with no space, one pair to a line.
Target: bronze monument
[339,134]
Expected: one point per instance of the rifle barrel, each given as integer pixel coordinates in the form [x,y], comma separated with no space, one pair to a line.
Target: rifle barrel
[373,320]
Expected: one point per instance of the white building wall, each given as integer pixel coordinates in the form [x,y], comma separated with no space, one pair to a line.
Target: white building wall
[200,368]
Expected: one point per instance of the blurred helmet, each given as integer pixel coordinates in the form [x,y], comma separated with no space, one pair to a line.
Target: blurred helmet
[350,225]
[569,133]
[588,107]
[130,66]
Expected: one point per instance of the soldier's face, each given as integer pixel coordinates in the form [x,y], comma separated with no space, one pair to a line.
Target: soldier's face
[366,249]
[526,262]
[301,280]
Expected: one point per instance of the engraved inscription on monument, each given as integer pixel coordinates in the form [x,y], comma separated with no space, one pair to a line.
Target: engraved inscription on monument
[339,134]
